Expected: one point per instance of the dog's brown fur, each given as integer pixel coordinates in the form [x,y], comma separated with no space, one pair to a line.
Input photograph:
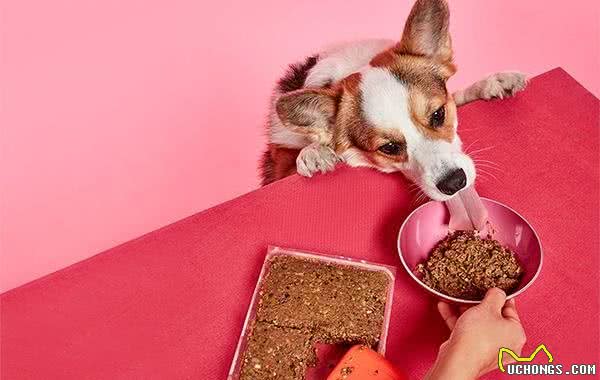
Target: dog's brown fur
[332,115]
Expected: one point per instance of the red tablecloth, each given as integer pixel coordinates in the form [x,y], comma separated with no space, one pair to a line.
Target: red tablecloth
[170,304]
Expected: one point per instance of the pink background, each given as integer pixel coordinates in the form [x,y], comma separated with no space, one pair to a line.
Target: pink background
[120,116]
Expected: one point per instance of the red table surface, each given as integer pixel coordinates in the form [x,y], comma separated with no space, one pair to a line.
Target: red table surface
[170,304]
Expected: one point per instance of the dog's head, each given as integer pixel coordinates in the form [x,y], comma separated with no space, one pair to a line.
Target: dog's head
[396,113]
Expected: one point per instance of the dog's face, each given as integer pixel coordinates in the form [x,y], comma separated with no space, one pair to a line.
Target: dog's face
[396,114]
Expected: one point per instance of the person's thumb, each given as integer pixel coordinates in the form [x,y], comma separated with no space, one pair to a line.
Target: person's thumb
[494,299]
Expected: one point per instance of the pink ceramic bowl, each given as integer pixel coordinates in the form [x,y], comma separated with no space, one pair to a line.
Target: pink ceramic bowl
[428,224]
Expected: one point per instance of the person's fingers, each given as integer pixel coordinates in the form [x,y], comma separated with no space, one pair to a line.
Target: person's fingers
[510,310]
[448,314]
[494,299]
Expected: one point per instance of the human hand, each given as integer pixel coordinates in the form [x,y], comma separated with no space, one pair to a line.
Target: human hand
[476,337]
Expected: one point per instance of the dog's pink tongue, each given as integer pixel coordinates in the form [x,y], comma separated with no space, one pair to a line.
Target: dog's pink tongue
[467,212]
[475,208]
[459,219]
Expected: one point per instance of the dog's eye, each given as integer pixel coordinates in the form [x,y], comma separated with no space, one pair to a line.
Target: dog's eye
[392,148]
[437,118]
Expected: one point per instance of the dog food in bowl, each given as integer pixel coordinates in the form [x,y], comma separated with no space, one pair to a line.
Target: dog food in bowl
[465,265]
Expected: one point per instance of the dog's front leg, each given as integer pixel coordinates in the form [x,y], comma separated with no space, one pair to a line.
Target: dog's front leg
[316,158]
[496,86]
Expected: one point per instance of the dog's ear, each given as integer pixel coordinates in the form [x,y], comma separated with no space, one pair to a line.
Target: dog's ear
[310,111]
[426,32]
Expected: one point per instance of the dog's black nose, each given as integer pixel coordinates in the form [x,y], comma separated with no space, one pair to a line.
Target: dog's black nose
[452,182]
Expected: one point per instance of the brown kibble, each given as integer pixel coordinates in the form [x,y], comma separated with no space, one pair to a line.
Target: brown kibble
[291,316]
[464,265]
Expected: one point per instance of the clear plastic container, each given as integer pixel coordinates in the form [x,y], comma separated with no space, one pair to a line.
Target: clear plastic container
[236,365]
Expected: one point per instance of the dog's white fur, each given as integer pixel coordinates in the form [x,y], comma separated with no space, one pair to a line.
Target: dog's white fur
[339,61]
[385,104]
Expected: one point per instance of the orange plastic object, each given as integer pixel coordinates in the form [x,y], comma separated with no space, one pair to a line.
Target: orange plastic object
[362,363]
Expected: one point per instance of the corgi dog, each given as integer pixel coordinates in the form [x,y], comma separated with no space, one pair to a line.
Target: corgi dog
[380,104]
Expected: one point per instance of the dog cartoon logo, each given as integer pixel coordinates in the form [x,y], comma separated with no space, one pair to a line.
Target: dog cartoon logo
[502,350]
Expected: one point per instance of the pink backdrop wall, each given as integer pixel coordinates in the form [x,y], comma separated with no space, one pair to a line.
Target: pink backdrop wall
[121,116]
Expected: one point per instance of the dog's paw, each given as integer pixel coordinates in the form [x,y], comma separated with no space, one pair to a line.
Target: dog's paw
[502,85]
[315,158]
